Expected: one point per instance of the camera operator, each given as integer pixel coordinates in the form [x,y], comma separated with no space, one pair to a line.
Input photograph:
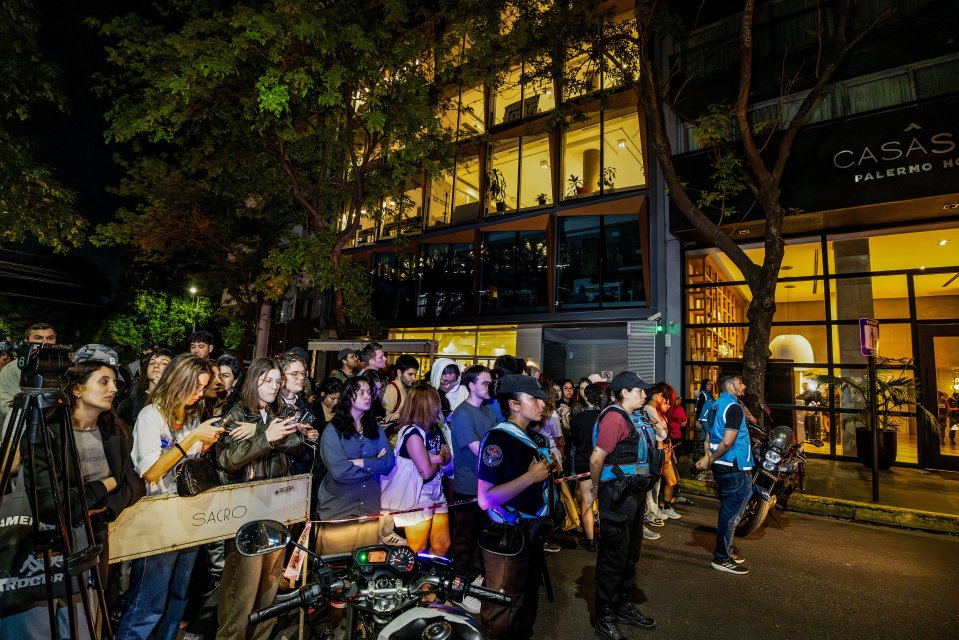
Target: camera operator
[110,483]
[37,333]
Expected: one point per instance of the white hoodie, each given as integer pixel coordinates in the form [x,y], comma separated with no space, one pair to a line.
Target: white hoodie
[457,394]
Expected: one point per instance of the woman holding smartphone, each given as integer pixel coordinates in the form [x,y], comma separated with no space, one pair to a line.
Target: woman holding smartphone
[250,583]
[167,430]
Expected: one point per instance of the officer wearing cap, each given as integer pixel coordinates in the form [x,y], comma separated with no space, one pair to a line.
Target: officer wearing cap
[619,470]
[515,486]
[349,360]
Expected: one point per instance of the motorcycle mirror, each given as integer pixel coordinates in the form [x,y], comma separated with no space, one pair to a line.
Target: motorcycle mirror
[501,539]
[261,537]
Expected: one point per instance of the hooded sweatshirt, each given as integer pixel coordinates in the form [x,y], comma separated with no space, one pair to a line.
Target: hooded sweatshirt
[457,394]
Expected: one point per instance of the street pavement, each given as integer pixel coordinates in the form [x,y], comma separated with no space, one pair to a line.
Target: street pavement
[814,578]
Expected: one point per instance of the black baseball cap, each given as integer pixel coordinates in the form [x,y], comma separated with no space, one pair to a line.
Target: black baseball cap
[514,383]
[628,380]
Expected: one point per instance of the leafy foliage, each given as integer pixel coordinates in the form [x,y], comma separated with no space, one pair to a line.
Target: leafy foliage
[321,110]
[32,202]
[156,316]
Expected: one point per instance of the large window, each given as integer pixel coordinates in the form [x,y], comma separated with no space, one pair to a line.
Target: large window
[455,197]
[600,262]
[515,100]
[514,272]
[403,214]
[825,286]
[602,154]
[519,175]
[392,282]
[446,281]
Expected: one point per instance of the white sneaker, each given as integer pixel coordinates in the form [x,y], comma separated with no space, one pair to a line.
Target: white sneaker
[471,604]
[393,539]
[650,535]
[670,513]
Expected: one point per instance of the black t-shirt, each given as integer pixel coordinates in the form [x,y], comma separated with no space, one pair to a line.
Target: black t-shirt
[581,433]
[502,458]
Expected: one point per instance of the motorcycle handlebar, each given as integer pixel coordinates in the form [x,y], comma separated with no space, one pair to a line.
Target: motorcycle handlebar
[303,598]
[482,593]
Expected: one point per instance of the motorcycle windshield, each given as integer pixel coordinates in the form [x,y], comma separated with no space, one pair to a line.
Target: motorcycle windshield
[780,438]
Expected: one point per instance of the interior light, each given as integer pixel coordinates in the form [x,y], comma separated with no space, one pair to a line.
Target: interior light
[543,164]
[621,143]
[743,232]
[922,267]
[943,243]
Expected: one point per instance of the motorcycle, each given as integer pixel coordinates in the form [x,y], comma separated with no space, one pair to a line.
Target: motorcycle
[779,469]
[383,588]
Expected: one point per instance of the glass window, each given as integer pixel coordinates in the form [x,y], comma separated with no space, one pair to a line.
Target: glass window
[581,165]
[623,283]
[937,296]
[472,113]
[538,97]
[508,102]
[392,284]
[895,251]
[715,344]
[446,281]
[536,181]
[622,150]
[466,200]
[599,263]
[869,297]
[801,258]
[441,201]
[502,180]
[455,343]
[707,305]
[799,301]
[879,93]
[584,76]
[403,214]
[496,342]
[938,79]
[514,272]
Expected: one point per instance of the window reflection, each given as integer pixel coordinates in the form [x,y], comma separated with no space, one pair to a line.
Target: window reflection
[446,281]
[514,272]
[392,284]
[600,262]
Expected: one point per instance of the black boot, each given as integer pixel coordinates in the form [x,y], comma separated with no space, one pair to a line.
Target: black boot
[606,628]
[626,613]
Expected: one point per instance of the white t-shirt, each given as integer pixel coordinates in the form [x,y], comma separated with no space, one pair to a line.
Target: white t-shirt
[152,437]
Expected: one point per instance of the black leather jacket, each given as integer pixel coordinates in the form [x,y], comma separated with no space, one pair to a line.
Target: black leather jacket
[255,458]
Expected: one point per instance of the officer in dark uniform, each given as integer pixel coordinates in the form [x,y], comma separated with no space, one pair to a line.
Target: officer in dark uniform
[515,486]
[619,469]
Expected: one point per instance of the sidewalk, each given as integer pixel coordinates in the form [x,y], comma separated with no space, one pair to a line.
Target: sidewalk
[910,498]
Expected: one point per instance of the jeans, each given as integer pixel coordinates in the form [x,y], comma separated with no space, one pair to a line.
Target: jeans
[519,577]
[249,583]
[157,596]
[34,623]
[733,489]
[467,520]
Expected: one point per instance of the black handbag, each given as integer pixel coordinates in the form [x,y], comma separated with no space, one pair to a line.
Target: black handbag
[196,475]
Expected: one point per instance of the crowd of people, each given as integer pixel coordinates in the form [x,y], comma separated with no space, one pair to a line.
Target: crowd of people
[445,454]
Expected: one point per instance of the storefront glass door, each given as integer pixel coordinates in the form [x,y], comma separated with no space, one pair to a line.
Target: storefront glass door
[939,353]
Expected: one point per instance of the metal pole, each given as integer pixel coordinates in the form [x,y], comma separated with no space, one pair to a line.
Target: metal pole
[874,425]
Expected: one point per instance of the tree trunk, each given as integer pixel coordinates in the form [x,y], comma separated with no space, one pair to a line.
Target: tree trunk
[756,349]
[339,311]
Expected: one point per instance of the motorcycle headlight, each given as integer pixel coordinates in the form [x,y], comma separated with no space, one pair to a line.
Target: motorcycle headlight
[773,456]
[769,466]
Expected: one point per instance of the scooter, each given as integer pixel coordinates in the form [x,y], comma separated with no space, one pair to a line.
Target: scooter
[779,469]
[383,588]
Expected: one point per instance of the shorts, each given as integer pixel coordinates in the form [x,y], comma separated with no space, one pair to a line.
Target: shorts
[431,501]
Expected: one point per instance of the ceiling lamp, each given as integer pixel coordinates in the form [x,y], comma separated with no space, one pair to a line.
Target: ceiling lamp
[792,347]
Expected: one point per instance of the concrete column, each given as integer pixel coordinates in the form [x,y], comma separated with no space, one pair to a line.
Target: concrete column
[591,170]
[263,331]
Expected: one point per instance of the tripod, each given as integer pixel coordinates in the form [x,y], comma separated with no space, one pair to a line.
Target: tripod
[31,434]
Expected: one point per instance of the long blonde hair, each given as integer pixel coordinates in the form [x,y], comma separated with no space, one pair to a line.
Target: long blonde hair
[177,385]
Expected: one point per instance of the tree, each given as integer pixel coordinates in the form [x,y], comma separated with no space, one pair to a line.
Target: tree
[330,107]
[156,316]
[32,202]
[624,51]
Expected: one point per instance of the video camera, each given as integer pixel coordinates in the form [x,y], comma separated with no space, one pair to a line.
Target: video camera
[42,366]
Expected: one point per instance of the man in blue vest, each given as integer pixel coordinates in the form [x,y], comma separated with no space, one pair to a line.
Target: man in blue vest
[731,458]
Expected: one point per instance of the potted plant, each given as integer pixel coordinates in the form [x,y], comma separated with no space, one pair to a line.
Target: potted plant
[606,178]
[541,199]
[895,391]
[575,186]
[496,183]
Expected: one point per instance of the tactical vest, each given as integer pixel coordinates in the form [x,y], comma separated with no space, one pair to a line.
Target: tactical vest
[503,513]
[626,454]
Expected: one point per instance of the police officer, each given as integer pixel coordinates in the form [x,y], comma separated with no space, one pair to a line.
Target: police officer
[619,472]
[732,459]
[515,486]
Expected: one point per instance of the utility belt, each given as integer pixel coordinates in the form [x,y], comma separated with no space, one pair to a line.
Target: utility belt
[626,481]
[639,469]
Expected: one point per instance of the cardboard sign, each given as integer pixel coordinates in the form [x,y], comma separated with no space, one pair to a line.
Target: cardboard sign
[164,523]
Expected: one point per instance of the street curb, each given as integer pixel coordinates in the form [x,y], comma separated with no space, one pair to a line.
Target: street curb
[851,510]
